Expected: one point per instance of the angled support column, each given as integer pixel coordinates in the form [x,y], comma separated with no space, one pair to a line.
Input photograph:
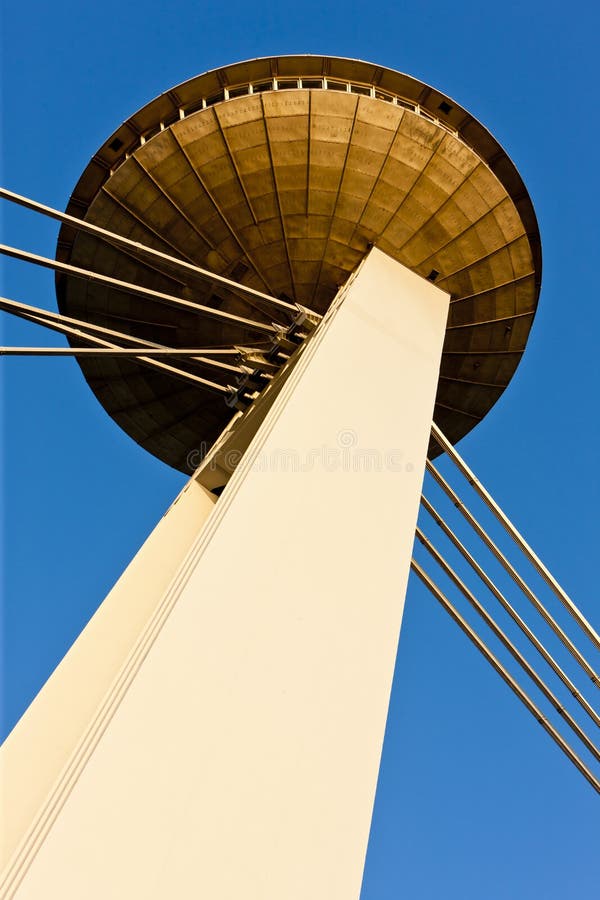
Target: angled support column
[239,755]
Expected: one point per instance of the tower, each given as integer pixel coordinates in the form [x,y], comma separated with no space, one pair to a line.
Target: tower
[305,187]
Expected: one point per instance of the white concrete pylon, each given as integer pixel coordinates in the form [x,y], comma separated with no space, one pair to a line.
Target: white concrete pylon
[238,755]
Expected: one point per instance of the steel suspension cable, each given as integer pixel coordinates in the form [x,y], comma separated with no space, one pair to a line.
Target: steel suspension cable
[508,644]
[506,676]
[546,656]
[121,241]
[25,311]
[519,540]
[191,352]
[56,322]
[129,288]
[563,637]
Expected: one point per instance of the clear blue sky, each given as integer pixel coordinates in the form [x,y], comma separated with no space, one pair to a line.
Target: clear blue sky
[474,801]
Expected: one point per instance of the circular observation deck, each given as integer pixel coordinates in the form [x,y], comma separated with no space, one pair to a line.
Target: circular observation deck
[281,173]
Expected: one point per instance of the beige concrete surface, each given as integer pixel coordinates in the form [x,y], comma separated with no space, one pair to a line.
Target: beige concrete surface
[41,744]
[240,756]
